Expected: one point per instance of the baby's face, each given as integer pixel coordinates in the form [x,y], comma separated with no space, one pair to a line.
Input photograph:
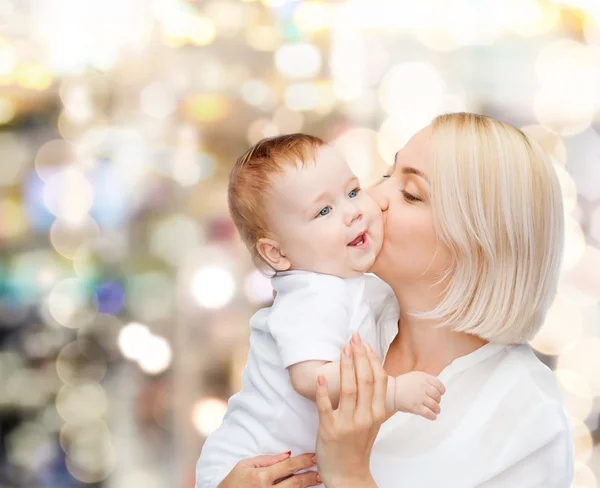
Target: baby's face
[322,218]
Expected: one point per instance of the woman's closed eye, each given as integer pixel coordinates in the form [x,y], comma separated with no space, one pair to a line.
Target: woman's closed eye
[409,197]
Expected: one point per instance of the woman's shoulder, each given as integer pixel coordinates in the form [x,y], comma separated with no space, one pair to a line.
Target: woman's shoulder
[524,373]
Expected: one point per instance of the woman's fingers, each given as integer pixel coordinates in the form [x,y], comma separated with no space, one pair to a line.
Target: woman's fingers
[433,381]
[323,401]
[348,386]
[265,461]
[290,466]
[364,377]
[380,378]
[432,405]
[300,480]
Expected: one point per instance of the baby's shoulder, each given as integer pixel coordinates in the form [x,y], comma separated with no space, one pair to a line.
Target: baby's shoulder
[380,296]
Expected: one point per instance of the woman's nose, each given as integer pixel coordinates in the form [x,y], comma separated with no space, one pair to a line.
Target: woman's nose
[378,194]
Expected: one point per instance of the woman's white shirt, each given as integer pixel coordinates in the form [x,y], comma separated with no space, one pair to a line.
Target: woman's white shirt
[503,421]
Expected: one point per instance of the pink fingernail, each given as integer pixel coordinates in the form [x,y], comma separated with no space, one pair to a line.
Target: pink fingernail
[319,480]
[314,459]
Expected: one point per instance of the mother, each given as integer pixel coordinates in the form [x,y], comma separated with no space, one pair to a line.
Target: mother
[473,226]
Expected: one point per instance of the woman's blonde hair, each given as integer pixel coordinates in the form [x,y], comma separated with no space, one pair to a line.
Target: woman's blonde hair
[497,207]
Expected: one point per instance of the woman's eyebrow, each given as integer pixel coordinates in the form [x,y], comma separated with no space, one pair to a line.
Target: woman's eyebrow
[407,170]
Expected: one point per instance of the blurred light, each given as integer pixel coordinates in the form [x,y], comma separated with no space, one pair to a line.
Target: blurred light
[574,243]
[583,441]
[532,18]
[52,155]
[413,86]
[584,476]
[257,288]
[263,37]
[591,30]
[565,67]
[25,443]
[298,60]
[82,403]
[102,331]
[155,356]
[76,99]
[33,76]
[396,131]
[158,100]
[301,96]
[207,415]
[7,110]
[261,128]
[212,287]
[582,282]
[66,238]
[13,221]
[174,237]
[359,148]
[207,107]
[288,121]
[65,299]
[578,407]
[552,143]
[275,3]
[574,383]
[228,16]
[255,92]
[182,23]
[562,328]
[594,227]
[85,264]
[109,298]
[348,63]
[14,156]
[90,454]
[583,359]
[312,16]
[69,195]
[27,388]
[132,339]
[73,365]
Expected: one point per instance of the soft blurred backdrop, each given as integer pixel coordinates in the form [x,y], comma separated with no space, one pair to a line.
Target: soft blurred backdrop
[125,293]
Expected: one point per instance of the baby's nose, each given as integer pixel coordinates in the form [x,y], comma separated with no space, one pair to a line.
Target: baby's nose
[353,215]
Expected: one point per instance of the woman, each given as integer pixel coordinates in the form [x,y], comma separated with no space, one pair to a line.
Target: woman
[473,227]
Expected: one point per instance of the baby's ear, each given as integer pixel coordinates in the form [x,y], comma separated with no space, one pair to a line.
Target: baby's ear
[270,251]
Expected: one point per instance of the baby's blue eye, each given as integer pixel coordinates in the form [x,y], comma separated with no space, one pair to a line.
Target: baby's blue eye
[354,193]
[325,211]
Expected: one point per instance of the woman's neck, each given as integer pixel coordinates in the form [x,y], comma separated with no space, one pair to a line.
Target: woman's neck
[421,345]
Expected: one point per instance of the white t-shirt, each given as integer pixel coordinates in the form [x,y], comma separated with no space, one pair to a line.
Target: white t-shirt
[503,422]
[312,318]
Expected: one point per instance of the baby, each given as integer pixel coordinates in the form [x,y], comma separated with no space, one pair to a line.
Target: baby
[304,217]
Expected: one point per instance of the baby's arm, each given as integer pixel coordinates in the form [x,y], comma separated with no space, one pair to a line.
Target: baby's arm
[415,392]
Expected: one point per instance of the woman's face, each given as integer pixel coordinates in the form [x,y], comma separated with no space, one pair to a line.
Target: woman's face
[410,253]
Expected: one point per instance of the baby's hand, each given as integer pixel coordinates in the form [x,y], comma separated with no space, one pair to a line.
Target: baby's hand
[419,393]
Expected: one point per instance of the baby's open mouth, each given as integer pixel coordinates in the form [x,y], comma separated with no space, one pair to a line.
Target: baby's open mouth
[360,240]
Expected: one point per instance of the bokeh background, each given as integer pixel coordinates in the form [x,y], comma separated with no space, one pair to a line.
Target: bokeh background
[125,292]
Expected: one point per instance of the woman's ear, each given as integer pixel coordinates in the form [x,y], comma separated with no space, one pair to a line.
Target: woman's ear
[270,251]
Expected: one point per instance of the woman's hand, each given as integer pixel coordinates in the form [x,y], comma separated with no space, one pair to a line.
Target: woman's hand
[264,471]
[345,436]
